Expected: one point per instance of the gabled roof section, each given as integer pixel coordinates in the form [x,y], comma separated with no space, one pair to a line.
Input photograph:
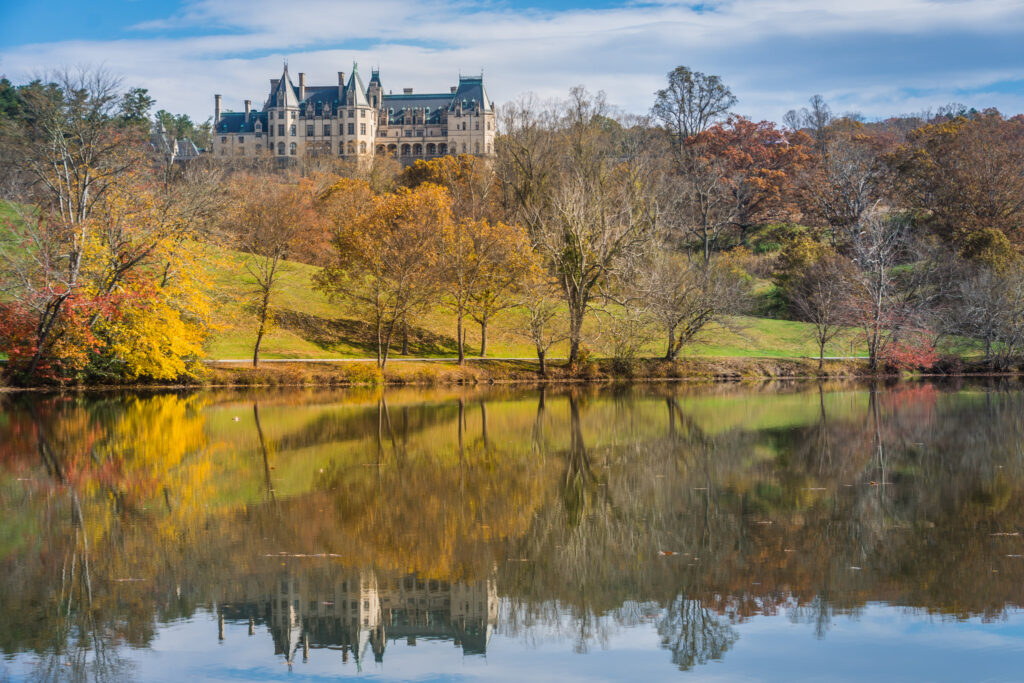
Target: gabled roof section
[234,122]
[356,88]
[471,91]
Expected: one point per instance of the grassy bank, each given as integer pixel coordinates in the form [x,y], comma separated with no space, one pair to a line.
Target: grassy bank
[503,371]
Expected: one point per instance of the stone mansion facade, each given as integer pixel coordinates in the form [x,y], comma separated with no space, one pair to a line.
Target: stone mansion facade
[353,121]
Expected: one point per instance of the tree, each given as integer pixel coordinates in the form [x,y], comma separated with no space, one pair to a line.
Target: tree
[266,219]
[588,208]
[758,163]
[64,154]
[481,265]
[469,179]
[684,295]
[818,296]
[690,103]
[385,259]
[545,326]
[963,175]
[815,119]
[848,183]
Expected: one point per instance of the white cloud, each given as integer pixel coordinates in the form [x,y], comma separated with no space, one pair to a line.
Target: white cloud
[774,53]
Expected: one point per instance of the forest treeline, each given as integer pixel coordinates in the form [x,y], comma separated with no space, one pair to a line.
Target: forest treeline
[903,233]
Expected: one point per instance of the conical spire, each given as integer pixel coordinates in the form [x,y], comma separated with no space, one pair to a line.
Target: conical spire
[285,96]
[355,89]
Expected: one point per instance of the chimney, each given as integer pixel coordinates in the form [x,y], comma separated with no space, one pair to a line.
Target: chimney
[248,110]
[216,108]
[341,83]
[454,88]
[407,91]
[302,87]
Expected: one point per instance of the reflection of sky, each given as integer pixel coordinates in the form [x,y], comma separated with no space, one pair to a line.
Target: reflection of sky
[881,643]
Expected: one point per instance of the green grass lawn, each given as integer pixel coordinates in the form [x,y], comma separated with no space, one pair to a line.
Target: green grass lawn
[310,325]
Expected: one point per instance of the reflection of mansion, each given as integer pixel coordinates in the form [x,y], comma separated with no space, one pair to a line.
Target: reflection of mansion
[351,120]
[357,610]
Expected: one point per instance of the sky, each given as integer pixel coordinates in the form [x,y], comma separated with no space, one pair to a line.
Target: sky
[875,57]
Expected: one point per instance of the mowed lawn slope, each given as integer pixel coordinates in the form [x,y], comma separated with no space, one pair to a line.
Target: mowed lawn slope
[309,325]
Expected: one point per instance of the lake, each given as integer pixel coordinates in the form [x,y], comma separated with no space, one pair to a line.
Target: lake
[726,532]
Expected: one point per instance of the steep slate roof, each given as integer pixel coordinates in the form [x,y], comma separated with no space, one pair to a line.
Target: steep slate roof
[395,104]
[355,83]
[234,122]
[289,93]
[471,88]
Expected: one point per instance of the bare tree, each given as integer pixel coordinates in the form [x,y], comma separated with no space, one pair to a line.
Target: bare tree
[588,210]
[545,326]
[819,296]
[816,119]
[989,307]
[684,296]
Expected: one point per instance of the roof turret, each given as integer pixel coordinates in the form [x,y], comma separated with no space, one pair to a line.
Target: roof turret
[355,91]
[284,95]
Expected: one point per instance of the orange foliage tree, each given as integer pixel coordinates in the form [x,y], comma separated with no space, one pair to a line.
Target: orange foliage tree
[385,259]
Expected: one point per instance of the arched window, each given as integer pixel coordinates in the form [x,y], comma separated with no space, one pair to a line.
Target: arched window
[405,150]
[362,147]
[478,148]
[380,150]
[351,147]
[442,148]
[417,150]
[291,148]
[280,148]
[431,149]
[392,149]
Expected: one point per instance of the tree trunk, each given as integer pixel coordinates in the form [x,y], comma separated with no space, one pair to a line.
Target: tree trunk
[262,329]
[405,337]
[483,336]
[821,357]
[543,366]
[461,340]
[575,335]
[672,350]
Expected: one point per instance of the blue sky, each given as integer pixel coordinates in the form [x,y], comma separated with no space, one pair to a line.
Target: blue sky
[873,56]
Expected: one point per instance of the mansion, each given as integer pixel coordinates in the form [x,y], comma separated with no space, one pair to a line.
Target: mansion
[351,120]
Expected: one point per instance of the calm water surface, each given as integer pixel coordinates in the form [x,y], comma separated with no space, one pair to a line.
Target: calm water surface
[783,532]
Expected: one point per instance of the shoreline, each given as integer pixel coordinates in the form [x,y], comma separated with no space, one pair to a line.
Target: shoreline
[477,372]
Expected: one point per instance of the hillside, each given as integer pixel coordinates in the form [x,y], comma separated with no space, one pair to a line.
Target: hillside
[309,325]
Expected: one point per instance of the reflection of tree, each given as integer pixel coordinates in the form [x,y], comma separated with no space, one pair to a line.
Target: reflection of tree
[693,633]
[574,497]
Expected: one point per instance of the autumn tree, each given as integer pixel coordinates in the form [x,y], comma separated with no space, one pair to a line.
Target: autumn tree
[267,216]
[62,154]
[385,260]
[758,164]
[481,266]
[469,179]
[963,175]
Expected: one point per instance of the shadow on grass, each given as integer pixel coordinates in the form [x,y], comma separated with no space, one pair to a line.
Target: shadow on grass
[328,333]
